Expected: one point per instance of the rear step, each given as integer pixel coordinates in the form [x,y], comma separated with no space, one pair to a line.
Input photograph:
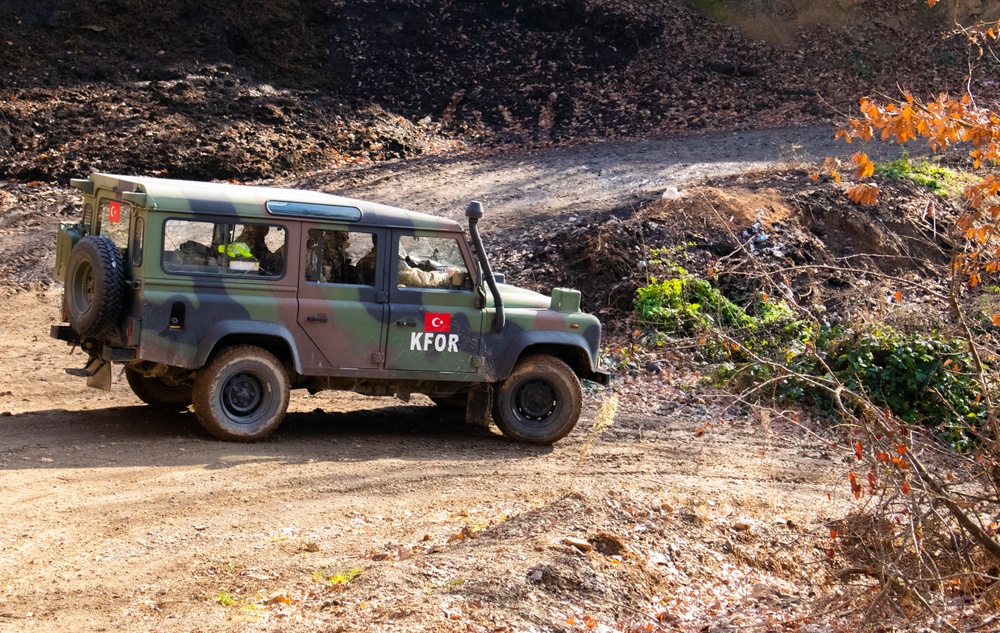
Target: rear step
[91,369]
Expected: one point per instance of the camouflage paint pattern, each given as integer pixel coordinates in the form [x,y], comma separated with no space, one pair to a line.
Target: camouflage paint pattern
[380,332]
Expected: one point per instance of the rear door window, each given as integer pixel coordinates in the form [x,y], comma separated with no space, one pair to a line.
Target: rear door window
[340,257]
[114,219]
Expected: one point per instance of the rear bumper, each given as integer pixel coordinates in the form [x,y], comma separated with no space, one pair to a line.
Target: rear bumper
[64,333]
[94,348]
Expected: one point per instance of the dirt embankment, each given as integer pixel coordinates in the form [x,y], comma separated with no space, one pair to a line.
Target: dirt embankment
[226,90]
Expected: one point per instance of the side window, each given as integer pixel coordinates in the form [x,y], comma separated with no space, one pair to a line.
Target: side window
[88,216]
[188,247]
[138,237]
[256,248]
[432,262]
[114,221]
[340,257]
[223,249]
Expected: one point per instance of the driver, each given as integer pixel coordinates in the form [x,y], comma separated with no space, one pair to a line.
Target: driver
[411,277]
[415,278]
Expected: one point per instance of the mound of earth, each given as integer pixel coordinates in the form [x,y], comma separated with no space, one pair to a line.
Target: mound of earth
[776,231]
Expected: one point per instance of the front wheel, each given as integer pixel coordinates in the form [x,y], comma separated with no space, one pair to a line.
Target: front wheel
[159,392]
[242,394]
[540,402]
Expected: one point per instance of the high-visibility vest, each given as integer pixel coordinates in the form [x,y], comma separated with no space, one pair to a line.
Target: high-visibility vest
[236,249]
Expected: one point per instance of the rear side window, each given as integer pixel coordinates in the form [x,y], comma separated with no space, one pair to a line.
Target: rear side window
[137,242]
[217,248]
[88,216]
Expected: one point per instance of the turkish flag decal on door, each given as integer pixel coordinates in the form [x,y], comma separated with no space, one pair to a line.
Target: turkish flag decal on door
[437,322]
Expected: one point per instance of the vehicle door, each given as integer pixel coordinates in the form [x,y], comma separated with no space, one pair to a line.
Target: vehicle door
[342,298]
[434,323]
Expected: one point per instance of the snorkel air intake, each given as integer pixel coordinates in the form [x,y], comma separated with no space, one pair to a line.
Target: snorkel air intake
[475,212]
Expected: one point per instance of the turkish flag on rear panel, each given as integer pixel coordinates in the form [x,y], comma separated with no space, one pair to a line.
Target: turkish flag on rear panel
[437,322]
[114,211]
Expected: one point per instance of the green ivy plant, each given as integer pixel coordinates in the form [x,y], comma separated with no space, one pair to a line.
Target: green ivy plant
[923,378]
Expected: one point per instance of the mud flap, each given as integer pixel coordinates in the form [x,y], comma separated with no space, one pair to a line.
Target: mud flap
[97,372]
[479,405]
[101,379]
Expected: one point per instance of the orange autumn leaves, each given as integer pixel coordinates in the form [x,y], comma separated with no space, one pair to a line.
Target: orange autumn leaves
[865,193]
[943,122]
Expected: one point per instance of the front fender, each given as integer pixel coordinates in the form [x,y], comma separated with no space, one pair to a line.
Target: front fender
[510,348]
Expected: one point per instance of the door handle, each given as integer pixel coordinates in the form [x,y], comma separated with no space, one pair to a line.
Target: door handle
[317,318]
[407,322]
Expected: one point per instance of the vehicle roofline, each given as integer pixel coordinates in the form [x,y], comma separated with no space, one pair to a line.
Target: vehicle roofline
[201,197]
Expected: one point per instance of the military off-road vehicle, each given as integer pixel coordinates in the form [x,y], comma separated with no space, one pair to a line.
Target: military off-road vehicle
[225,297]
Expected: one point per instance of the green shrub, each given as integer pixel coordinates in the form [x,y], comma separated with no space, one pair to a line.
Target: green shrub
[686,304]
[922,378]
[941,180]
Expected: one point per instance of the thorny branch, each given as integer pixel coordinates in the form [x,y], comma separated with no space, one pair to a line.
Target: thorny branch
[894,565]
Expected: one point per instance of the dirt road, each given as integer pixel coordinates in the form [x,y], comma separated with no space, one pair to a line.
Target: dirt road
[118,518]
[581,179]
[534,187]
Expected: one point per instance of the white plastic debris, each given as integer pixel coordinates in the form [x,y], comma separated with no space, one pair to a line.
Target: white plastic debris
[672,193]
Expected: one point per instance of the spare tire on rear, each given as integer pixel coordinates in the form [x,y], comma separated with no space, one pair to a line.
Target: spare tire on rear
[95,287]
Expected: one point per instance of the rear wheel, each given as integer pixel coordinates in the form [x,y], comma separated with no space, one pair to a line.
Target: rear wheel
[242,394]
[540,402]
[161,393]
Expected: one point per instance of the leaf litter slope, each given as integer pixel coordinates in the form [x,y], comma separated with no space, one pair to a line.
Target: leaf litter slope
[212,90]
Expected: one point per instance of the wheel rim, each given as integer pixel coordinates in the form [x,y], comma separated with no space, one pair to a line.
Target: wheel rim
[83,288]
[244,397]
[536,401]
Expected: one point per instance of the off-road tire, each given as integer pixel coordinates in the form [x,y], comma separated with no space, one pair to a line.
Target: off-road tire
[242,394]
[94,287]
[158,393]
[540,402]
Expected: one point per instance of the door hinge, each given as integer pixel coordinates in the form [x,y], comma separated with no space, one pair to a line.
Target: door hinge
[476,361]
[377,358]
[381,297]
